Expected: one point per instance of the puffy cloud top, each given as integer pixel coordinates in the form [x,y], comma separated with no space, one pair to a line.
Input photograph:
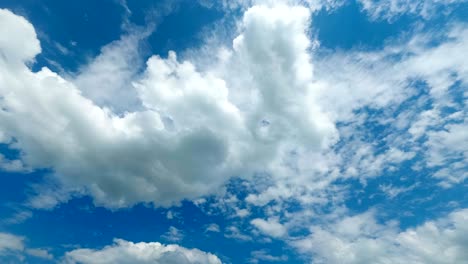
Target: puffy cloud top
[123,252]
[18,41]
[192,133]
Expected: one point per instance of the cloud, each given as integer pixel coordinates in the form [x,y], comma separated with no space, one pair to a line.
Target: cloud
[173,235]
[12,165]
[270,227]
[261,256]
[389,9]
[196,128]
[10,243]
[13,245]
[20,47]
[107,79]
[448,152]
[39,253]
[360,239]
[122,252]
[236,233]
[212,228]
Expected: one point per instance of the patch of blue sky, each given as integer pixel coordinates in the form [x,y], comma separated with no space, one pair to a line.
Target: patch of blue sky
[348,27]
[78,223]
[73,32]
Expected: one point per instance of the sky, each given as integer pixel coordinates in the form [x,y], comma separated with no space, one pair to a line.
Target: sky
[234,131]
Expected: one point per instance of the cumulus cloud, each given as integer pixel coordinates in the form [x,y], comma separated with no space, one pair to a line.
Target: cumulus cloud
[361,239]
[122,252]
[23,45]
[107,79]
[270,227]
[196,129]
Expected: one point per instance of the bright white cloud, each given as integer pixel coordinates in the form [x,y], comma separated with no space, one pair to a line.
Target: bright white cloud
[270,227]
[360,239]
[19,47]
[123,252]
[107,80]
[196,130]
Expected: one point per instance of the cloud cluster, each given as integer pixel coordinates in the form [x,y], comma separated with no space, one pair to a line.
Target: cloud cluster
[196,129]
[180,130]
[361,239]
[123,252]
[12,245]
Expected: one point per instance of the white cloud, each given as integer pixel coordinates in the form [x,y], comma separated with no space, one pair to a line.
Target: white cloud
[13,245]
[212,228]
[389,9]
[270,227]
[12,165]
[18,217]
[360,239]
[173,235]
[196,129]
[448,151]
[39,253]
[10,244]
[107,79]
[382,81]
[122,252]
[236,233]
[242,213]
[15,49]
[229,5]
[393,191]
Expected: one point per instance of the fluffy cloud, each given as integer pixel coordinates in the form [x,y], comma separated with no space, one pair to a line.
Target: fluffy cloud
[123,252]
[195,130]
[360,239]
[19,47]
[270,227]
[107,80]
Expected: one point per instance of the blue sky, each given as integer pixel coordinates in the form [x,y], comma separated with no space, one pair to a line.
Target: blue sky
[244,131]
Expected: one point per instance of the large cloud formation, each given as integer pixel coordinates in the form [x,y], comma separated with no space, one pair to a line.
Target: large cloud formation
[192,133]
[125,252]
